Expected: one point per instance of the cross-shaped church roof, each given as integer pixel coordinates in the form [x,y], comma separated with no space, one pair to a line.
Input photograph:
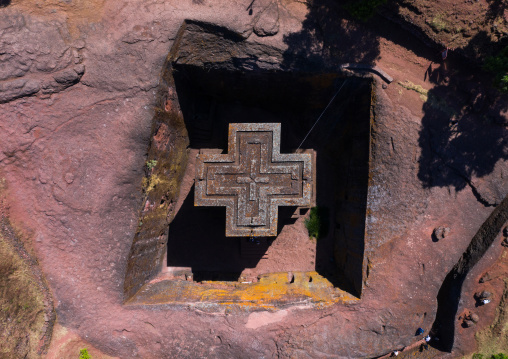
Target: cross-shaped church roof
[253,179]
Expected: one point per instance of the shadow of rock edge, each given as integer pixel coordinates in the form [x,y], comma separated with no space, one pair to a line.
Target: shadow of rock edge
[329,38]
[464,138]
[193,75]
[463,142]
[197,240]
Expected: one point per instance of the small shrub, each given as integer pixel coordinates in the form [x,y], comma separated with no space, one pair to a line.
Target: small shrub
[438,24]
[493,356]
[83,354]
[498,65]
[317,223]
[151,164]
[364,9]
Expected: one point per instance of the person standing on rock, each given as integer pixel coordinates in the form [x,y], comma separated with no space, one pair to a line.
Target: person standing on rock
[444,54]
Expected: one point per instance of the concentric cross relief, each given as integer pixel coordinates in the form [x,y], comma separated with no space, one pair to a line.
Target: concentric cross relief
[253,179]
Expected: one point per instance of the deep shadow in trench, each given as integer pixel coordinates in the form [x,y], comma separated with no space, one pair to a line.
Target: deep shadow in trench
[197,240]
[210,99]
[329,37]
[214,92]
[449,294]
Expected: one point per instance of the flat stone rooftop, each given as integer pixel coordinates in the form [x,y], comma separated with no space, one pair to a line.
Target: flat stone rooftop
[253,179]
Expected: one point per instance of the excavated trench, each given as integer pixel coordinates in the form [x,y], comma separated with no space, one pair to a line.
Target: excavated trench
[211,99]
[449,294]
[212,78]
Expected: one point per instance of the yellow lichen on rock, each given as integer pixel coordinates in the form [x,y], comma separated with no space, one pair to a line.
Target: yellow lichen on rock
[272,291]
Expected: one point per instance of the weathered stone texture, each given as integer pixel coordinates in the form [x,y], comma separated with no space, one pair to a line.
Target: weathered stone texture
[253,179]
[36,55]
[268,22]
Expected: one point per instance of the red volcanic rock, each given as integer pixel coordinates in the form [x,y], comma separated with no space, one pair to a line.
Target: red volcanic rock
[483,295]
[440,232]
[36,57]
[474,317]
[268,22]
[76,124]
[469,323]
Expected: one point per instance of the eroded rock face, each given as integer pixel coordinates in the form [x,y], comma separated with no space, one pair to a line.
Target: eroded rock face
[36,56]
[268,23]
[76,121]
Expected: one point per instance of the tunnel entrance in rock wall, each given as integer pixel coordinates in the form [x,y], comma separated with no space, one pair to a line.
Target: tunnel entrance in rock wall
[210,99]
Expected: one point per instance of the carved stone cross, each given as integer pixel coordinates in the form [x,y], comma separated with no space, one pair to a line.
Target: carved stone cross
[253,179]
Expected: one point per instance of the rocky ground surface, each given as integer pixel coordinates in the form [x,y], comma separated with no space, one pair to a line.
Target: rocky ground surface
[78,87]
[472,28]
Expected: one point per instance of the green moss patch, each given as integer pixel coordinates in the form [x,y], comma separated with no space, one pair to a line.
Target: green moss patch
[317,223]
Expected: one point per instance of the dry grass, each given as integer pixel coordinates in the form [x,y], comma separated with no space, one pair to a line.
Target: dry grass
[21,306]
[494,339]
[438,23]
[424,94]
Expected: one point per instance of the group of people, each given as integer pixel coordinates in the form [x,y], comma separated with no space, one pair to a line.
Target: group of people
[423,346]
